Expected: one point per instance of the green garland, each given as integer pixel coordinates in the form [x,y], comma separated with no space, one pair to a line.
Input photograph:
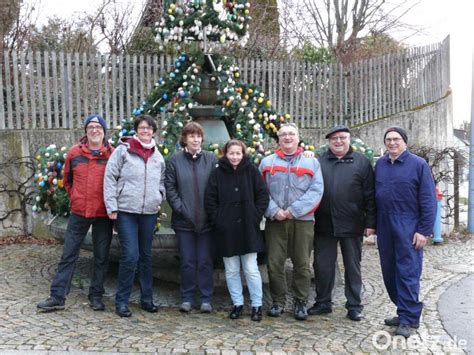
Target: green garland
[222,20]
[246,107]
[50,193]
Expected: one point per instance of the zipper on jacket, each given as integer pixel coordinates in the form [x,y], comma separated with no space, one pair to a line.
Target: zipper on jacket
[288,182]
[196,196]
[144,189]
[146,164]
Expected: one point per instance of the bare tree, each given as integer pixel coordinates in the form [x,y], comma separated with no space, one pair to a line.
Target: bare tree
[446,166]
[16,178]
[341,24]
[17,18]
[111,24]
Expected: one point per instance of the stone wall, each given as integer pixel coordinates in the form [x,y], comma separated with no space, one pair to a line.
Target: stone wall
[429,125]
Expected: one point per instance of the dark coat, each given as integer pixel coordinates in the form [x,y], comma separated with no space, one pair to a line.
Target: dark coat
[235,202]
[185,183]
[348,204]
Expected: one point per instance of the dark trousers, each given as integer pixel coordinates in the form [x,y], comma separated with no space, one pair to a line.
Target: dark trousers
[289,238]
[196,265]
[135,232]
[401,264]
[76,231]
[325,257]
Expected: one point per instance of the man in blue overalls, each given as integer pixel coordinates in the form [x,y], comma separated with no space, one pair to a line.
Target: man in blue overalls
[406,209]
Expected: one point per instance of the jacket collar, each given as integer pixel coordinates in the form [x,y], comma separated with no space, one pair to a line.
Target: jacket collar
[84,145]
[225,164]
[190,156]
[401,158]
[349,155]
[281,154]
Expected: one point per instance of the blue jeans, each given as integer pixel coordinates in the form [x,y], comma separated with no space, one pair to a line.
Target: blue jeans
[135,232]
[76,231]
[196,264]
[252,276]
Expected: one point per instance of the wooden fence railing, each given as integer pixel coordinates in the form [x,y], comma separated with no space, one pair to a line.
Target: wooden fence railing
[51,90]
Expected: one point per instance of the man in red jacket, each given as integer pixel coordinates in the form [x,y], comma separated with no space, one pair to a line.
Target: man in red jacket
[83,178]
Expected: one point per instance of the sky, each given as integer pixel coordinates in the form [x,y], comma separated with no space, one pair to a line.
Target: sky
[437,18]
[454,18]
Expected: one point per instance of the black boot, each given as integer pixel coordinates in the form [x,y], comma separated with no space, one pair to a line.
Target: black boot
[256,314]
[236,312]
[96,304]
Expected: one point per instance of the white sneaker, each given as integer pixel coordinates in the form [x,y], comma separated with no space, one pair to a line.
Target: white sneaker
[185,307]
[206,308]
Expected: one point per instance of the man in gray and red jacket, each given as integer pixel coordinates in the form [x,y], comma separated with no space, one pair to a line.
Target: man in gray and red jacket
[296,186]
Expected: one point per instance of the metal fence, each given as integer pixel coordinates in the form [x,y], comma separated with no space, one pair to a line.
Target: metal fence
[50,90]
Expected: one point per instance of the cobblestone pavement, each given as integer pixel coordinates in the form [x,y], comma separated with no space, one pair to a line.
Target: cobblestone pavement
[26,272]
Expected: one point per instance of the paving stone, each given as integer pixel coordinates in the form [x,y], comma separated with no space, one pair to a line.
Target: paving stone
[27,270]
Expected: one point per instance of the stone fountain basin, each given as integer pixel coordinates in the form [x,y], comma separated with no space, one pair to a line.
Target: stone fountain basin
[165,254]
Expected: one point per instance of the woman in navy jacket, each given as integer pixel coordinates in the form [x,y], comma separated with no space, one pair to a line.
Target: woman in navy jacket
[236,199]
[187,173]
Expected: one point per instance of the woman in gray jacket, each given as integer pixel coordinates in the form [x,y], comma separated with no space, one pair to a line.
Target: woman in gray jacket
[131,196]
[186,179]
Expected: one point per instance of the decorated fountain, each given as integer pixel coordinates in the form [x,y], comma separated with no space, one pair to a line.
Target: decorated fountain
[204,86]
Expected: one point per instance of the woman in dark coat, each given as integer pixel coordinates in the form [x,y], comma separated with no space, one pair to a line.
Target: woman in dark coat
[236,198]
[186,179]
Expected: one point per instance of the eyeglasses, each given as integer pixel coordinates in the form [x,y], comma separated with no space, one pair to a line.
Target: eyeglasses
[91,128]
[287,134]
[394,140]
[145,128]
[338,138]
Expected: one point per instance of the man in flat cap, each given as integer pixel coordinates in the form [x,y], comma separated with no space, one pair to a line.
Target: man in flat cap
[406,209]
[83,177]
[346,213]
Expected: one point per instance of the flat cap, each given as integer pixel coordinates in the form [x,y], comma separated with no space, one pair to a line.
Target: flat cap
[338,128]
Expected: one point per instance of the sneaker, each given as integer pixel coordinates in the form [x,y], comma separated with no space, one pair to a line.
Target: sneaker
[51,304]
[256,314]
[320,308]
[300,310]
[206,307]
[276,310]
[403,330]
[395,322]
[185,307]
[236,312]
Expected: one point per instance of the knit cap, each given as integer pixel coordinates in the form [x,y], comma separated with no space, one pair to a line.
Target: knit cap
[399,130]
[95,118]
